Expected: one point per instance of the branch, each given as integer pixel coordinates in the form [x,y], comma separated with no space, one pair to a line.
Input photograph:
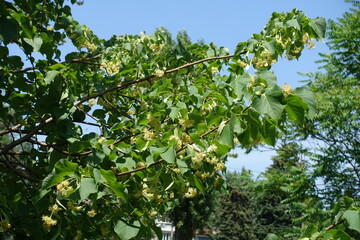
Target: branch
[79,60]
[117,110]
[21,174]
[126,84]
[334,225]
[120,86]
[26,137]
[13,129]
[162,160]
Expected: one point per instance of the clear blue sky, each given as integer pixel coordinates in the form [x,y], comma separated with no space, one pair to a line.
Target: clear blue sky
[224,22]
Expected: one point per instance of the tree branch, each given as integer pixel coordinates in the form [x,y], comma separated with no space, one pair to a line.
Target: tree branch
[13,129]
[79,60]
[119,86]
[21,174]
[26,137]
[162,160]
[126,84]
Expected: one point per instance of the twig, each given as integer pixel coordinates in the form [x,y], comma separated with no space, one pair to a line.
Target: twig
[162,160]
[13,129]
[334,225]
[79,60]
[126,84]
[112,106]
[26,137]
[17,171]
[119,86]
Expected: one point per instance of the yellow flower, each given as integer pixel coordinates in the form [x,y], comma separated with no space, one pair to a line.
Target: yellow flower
[4,224]
[186,139]
[219,166]
[153,213]
[241,63]
[54,208]
[214,70]
[149,135]
[311,45]
[212,148]
[286,90]
[159,73]
[91,213]
[48,221]
[92,102]
[191,192]
[186,123]
[74,208]
[63,188]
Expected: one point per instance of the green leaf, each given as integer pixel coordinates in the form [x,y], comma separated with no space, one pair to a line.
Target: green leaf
[295,107]
[34,43]
[353,219]
[239,84]
[308,97]
[118,188]
[271,46]
[169,155]
[319,26]
[293,23]
[271,236]
[9,29]
[268,105]
[126,230]
[52,180]
[196,181]
[235,125]
[108,175]
[62,168]
[50,75]
[269,77]
[174,113]
[65,167]
[226,136]
[87,187]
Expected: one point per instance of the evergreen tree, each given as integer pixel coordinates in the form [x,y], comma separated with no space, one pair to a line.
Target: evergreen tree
[233,217]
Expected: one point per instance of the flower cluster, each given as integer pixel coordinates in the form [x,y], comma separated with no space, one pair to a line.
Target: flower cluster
[4,224]
[73,207]
[286,90]
[54,208]
[214,70]
[111,67]
[91,213]
[186,123]
[198,158]
[64,188]
[48,221]
[157,47]
[146,192]
[191,192]
[220,166]
[241,63]
[264,60]
[149,135]
[159,73]
[178,141]
[89,46]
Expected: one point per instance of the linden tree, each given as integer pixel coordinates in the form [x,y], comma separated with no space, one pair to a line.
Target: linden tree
[99,142]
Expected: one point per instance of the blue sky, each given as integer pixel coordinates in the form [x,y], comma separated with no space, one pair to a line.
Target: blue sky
[224,22]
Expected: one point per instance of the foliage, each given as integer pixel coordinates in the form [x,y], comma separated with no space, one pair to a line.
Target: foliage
[345,223]
[108,136]
[336,127]
[233,216]
[330,210]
